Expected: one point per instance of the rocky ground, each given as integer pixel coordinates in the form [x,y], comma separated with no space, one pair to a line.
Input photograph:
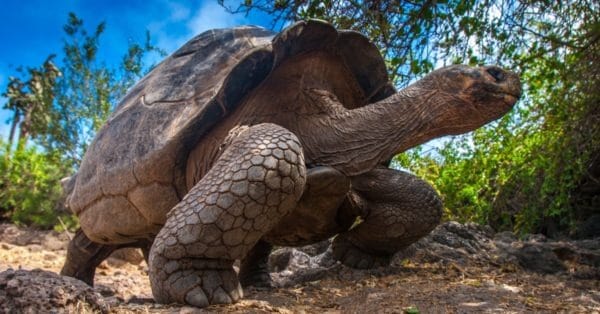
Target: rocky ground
[456,269]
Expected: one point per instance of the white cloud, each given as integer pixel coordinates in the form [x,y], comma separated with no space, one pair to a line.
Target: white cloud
[211,15]
[167,41]
[178,12]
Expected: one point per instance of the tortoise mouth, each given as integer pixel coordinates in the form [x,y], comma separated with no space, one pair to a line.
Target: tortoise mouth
[508,94]
[507,99]
[510,99]
[505,102]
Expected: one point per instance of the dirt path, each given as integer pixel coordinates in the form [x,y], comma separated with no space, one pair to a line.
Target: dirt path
[410,285]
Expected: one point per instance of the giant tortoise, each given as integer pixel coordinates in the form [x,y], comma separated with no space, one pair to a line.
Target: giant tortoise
[243,139]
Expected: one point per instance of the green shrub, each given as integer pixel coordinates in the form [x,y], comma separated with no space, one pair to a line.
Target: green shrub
[523,172]
[30,191]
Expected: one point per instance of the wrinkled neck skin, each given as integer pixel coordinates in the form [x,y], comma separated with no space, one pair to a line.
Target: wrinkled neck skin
[358,140]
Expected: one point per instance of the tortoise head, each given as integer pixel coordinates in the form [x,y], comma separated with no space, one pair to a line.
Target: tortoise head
[473,96]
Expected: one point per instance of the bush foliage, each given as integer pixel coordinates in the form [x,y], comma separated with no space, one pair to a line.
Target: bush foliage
[56,111]
[30,191]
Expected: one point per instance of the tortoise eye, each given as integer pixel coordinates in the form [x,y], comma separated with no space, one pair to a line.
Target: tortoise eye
[496,73]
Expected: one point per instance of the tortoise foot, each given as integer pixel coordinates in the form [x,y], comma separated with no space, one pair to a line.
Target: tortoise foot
[214,287]
[352,256]
[199,282]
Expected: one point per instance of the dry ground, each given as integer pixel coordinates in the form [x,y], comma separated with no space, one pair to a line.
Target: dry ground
[406,288]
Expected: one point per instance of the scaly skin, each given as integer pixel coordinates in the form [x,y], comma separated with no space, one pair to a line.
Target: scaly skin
[257,180]
[397,209]
[400,207]
[315,218]
[84,255]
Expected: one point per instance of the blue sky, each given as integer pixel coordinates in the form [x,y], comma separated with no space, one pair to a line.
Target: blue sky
[32,29]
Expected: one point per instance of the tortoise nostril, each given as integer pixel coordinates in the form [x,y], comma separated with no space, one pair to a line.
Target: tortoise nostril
[497,73]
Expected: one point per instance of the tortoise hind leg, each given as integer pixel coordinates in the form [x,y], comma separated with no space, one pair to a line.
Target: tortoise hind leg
[84,255]
[400,209]
[255,182]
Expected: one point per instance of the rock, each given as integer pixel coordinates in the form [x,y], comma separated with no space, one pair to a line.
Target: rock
[290,266]
[35,248]
[450,241]
[26,236]
[9,232]
[288,258]
[39,291]
[324,259]
[129,255]
[470,243]
[589,244]
[535,238]
[53,242]
[280,259]
[538,258]
[505,236]
[589,228]
[316,249]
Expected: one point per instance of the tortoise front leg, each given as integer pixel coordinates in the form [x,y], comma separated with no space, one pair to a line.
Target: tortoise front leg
[400,209]
[257,180]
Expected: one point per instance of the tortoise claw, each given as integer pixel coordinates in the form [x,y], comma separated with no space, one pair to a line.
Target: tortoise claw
[199,282]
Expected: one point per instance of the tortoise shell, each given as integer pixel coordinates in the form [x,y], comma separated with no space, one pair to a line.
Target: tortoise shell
[133,172]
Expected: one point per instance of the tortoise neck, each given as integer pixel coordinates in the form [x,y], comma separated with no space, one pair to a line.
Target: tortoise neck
[359,140]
